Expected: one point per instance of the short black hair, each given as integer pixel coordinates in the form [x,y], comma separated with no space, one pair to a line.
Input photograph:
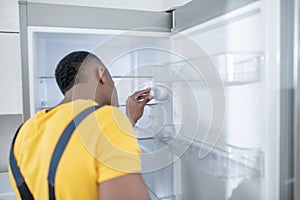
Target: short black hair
[67,69]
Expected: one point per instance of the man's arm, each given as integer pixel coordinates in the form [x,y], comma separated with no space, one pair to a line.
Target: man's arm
[127,187]
[130,186]
[136,103]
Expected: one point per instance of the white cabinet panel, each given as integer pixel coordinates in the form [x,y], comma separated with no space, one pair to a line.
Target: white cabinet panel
[10,76]
[9,125]
[6,190]
[9,15]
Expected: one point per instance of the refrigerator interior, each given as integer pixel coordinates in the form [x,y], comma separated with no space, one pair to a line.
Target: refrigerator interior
[180,119]
[131,67]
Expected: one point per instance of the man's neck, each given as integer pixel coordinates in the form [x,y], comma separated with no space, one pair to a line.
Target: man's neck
[80,92]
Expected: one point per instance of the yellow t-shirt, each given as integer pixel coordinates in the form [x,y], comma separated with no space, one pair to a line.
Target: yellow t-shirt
[103,147]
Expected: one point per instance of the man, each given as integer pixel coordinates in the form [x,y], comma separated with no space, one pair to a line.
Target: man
[102,158]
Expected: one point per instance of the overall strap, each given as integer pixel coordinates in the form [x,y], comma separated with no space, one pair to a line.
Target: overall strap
[61,145]
[56,156]
[19,179]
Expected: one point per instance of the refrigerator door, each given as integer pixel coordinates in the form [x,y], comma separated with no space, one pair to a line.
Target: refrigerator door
[250,159]
[235,162]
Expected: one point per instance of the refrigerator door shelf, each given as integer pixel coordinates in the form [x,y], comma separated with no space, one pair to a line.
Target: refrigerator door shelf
[234,68]
[222,164]
[239,68]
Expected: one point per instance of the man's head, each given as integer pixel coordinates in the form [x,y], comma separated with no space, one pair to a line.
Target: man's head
[82,74]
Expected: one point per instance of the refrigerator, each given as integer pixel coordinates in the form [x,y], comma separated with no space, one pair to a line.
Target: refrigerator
[221,123]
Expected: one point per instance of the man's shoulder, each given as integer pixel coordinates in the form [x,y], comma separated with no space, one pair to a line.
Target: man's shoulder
[114,118]
[109,112]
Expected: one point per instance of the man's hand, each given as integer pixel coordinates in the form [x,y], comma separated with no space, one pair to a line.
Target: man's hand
[136,103]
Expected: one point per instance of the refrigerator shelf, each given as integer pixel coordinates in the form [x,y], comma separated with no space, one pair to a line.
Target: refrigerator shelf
[113,76]
[153,196]
[232,163]
[51,104]
[48,104]
[50,95]
[234,68]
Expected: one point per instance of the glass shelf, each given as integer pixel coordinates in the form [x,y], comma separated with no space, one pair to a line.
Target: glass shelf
[48,94]
[153,196]
[48,104]
[114,77]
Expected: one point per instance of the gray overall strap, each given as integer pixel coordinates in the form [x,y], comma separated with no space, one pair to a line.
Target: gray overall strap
[61,145]
[19,179]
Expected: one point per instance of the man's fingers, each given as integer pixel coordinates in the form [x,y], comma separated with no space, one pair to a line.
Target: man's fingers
[141,93]
[144,96]
[146,99]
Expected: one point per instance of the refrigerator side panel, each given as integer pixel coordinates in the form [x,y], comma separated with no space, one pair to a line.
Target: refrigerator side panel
[297,102]
[286,99]
[24,59]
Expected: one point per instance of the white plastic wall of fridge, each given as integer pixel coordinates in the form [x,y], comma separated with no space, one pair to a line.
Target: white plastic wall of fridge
[195,108]
[242,35]
[48,93]
[10,78]
[245,116]
[124,89]
[156,56]
[9,15]
[52,47]
[123,65]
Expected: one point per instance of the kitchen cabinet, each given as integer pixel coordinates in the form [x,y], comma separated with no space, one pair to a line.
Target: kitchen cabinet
[9,15]
[10,76]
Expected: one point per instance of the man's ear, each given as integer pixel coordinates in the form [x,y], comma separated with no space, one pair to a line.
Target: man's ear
[101,75]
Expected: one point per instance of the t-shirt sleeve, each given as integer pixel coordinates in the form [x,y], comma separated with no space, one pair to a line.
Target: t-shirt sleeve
[118,153]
